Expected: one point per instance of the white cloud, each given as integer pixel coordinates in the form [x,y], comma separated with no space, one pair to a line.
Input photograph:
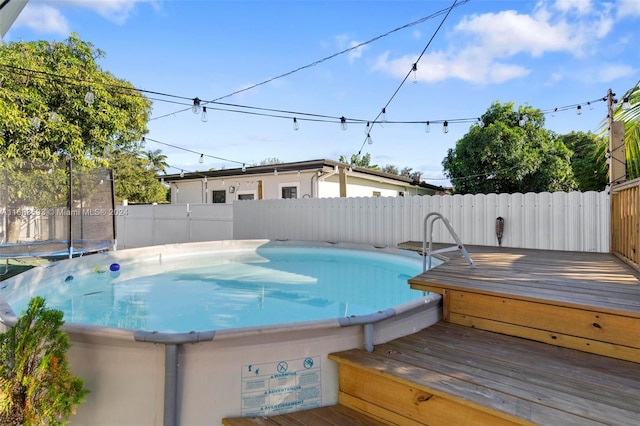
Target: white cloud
[628,8]
[117,11]
[580,7]
[486,48]
[608,73]
[42,18]
[417,34]
[344,43]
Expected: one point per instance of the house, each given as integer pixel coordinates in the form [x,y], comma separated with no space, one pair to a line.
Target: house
[305,179]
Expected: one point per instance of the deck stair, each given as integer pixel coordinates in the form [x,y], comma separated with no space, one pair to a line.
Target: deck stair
[527,337]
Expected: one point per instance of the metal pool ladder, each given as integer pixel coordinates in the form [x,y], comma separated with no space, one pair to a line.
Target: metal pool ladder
[429,220]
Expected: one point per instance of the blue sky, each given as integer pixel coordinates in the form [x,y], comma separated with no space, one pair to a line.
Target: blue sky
[546,54]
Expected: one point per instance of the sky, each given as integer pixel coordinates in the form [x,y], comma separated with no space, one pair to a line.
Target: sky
[546,54]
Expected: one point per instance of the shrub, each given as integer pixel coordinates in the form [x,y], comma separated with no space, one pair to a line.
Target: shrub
[36,385]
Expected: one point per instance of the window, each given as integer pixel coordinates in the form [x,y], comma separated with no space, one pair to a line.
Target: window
[246,196]
[289,192]
[219,197]
[289,189]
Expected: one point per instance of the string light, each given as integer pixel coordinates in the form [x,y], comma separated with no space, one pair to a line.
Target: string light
[626,105]
[201,159]
[204,117]
[89,97]
[244,168]
[480,122]
[35,122]
[383,116]
[181,173]
[427,128]
[523,120]
[367,128]
[295,124]
[414,68]
[343,123]
[590,106]
[445,127]
[369,140]
[196,106]
[553,114]
[579,110]
[53,116]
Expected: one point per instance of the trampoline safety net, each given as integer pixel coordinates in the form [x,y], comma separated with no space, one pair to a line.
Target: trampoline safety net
[55,210]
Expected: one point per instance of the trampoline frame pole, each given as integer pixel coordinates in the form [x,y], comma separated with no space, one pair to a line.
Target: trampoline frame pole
[70,208]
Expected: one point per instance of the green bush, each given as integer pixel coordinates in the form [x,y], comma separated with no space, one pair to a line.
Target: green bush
[36,385]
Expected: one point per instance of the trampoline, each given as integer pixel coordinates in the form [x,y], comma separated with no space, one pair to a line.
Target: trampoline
[53,211]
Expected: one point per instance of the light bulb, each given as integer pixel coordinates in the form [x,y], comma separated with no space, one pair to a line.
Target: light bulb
[53,116]
[201,159]
[367,128]
[369,140]
[523,120]
[414,68]
[295,124]
[181,173]
[204,117]
[445,127]
[35,122]
[343,123]
[480,122]
[591,106]
[196,106]
[90,97]
[626,105]
[427,127]
[275,172]
[579,110]
[383,115]
[553,114]
[244,168]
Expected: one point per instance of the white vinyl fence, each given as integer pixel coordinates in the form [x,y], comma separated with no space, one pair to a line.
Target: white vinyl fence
[556,221]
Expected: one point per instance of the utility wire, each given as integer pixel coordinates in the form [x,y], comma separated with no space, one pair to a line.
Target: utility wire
[319,61]
[413,68]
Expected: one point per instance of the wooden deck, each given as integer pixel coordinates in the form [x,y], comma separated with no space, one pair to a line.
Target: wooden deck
[527,337]
[585,301]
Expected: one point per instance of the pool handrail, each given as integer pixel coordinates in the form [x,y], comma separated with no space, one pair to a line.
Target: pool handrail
[429,220]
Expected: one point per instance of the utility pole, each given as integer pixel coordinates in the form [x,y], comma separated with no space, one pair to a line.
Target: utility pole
[617,151]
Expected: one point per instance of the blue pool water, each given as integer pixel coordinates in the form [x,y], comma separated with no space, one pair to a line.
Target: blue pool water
[244,288]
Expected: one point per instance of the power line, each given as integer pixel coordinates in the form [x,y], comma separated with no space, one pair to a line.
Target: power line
[414,68]
[319,61]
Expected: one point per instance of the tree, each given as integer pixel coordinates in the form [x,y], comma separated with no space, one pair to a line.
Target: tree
[136,178]
[57,103]
[391,169]
[358,161]
[157,160]
[270,161]
[589,167]
[36,385]
[512,152]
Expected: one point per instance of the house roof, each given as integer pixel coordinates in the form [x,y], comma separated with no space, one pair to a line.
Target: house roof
[294,167]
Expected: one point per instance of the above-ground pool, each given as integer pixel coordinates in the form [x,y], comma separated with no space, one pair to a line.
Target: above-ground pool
[223,289]
[192,333]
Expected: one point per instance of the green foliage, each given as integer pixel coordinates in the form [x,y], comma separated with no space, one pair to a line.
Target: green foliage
[36,385]
[507,156]
[45,83]
[270,161]
[48,81]
[631,119]
[589,166]
[356,160]
[136,178]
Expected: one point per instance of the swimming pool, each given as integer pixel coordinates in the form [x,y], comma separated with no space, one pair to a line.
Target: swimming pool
[218,377]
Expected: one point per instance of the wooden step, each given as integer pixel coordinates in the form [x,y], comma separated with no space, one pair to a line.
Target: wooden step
[337,415]
[449,374]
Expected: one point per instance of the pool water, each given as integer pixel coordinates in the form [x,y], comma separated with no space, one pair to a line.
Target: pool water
[241,288]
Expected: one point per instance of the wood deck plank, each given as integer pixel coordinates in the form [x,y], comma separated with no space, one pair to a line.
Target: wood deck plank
[336,415]
[531,380]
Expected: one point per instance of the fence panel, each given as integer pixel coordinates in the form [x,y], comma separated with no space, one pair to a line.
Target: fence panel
[558,221]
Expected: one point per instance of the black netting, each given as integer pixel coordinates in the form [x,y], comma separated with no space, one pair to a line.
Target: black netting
[54,209]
